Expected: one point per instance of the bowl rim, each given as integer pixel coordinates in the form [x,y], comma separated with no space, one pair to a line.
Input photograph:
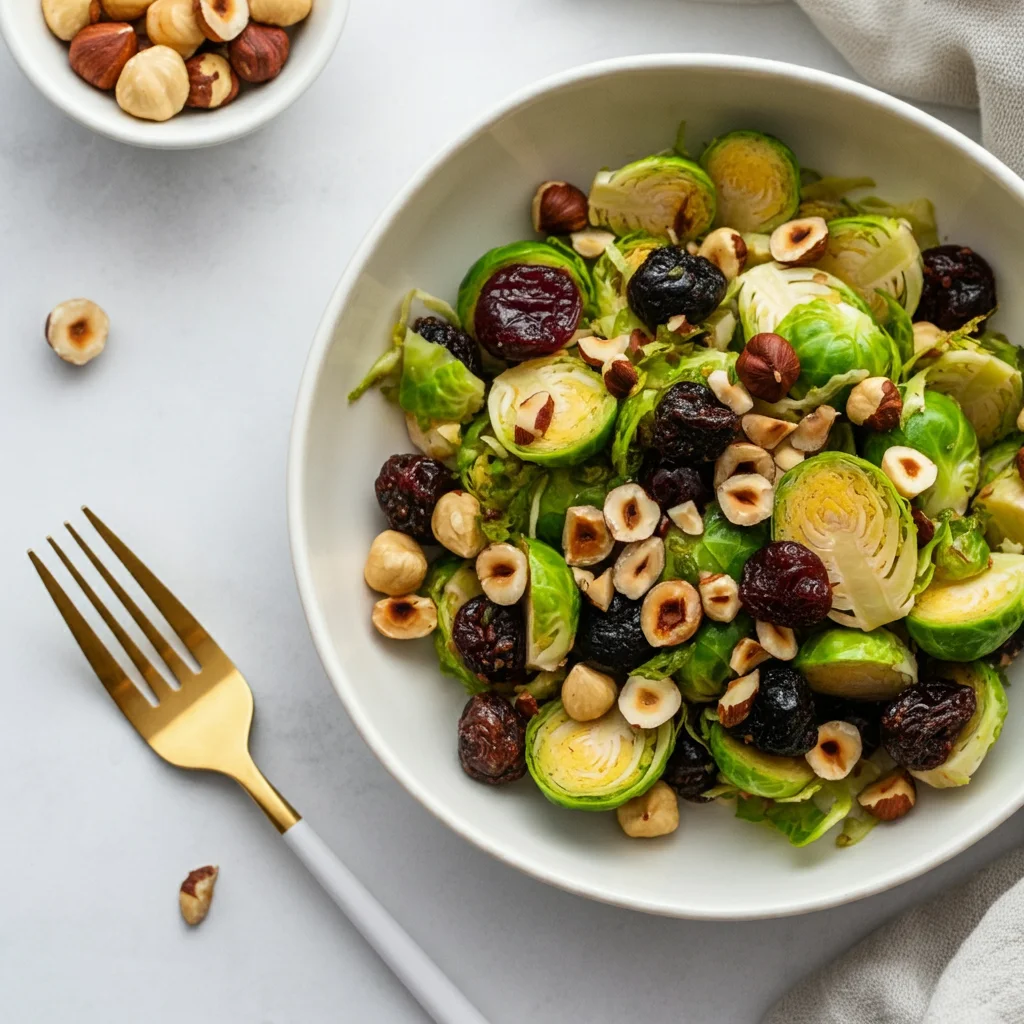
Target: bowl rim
[296,473]
[126,129]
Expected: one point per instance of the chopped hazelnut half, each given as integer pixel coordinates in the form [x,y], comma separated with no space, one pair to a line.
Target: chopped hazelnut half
[77,330]
[746,499]
[405,618]
[735,396]
[746,655]
[799,241]
[812,431]
[631,514]
[910,471]
[586,539]
[778,641]
[890,797]
[687,518]
[735,704]
[743,457]
[766,431]
[670,614]
[637,569]
[720,596]
[837,751]
[196,894]
[503,572]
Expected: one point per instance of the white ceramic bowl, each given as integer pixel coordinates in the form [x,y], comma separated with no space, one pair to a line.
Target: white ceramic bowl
[475,195]
[44,60]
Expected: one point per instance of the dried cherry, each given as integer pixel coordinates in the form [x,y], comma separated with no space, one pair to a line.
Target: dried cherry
[407,488]
[690,769]
[691,425]
[459,343]
[671,282]
[786,584]
[921,725]
[1008,651]
[613,639]
[672,485]
[492,740]
[491,639]
[958,286]
[782,717]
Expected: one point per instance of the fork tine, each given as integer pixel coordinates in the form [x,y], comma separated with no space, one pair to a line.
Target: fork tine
[126,695]
[142,663]
[170,657]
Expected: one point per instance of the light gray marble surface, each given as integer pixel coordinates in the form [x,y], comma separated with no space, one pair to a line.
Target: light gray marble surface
[214,267]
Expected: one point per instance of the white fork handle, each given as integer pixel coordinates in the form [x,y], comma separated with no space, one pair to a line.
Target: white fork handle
[420,975]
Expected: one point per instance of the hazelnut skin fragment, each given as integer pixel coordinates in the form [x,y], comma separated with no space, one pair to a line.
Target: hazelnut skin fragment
[768,366]
[212,82]
[259,53]
[196,893]
[654,813]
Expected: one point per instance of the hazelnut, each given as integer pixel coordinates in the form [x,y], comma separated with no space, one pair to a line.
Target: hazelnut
[648,703]
[654,813]
[925,527]
[720,326]
[670,614]
[591,243]
[440,440]
[766,431]
[735,396]
[837,751]
[726,249]
[600,591]
[154,84]
[786,456]
[221,20]
[812,431]
[631,514]
[875,403]
[526,704]
[588,694]
[719,596]
[909,470]
[890,797]
[687,518]
[746,499]
[280,12]
[768,367]
[734,705]
[125,10]
[743,457]
[456,524]
[259,52]
[395,565]
[637,569]
[620,376]
[99,53]
[582,577]
[196,894]
[926,337]
[405,618]
[597,351]
[66,18]
[586,539]
[77,330]
[533,417]
[503,571]
[678,324]
[747,654]
[559,209]
[799,241]
[778,641]
[173,23]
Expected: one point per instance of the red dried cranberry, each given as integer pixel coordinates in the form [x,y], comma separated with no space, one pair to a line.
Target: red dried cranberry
[459,343]
[672,282]
[691,425]
[921,725]
[786,584]
[492,740]
[407,489]
[491,639]
[673,485]
[958,286]
[782,717]
[690,769]
[525,311]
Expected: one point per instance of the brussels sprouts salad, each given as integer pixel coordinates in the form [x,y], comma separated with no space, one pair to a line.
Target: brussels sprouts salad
[720,478]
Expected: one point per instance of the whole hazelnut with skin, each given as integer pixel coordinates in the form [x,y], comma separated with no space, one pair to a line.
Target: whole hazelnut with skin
[66,18]
[559,209]
[154,84]
[279,12]
[259,53]
[196,893]
[99,53]
[211,81]
[173,23]
[875,403]
[768,367]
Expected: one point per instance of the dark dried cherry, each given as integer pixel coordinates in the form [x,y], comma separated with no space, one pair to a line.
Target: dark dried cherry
[786,584]
[690,769]
[691,425]
[921,725]
[1007,652]
[925,527]
[492,740]
[525,311]
[782,718]
[672,485]
[866,715]
[491,639]
[671,282]
[958,286]
[459,343]
[407,489]
[613,639]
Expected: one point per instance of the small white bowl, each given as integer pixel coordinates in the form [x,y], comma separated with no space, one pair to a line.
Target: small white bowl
[476,194]
[44,59]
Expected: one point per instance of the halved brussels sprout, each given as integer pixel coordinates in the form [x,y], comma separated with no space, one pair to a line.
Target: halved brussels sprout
[960,620]
[704,668]
[848,513]
[858,665]
[803,822]
[872,254]
[552,607]
[999,457]
[615,267]
[586,484]
[750,771]
[594,766]
[435,385]
[658,194]
[583,417]
[1001,501]
[450,583]
[757,179]
[722,547]
[961,551]
[942,432]
[979,735]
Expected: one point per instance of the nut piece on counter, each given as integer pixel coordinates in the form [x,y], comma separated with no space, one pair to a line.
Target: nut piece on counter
[125,10]
[99,52]
[196,893]
[259,53]
[211,81]
[66,18]
[173,23]
[154,84]
[77,330]
[221,20]
[280,12]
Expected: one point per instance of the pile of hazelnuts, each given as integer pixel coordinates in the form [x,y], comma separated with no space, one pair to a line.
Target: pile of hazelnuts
[160,56]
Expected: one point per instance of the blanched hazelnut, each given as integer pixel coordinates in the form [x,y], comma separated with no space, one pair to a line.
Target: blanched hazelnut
[926,336]
[196,893]
[588,694]
[596,351]
[631,514]
[66,18]
[747,655]
[735,396]
[125,10]
[212,84]
[734,705]
[910,471]
[786,456]
[654,813]
[586,539]
[173,23]
[720,597]
[766,431]
[670,614]
[591,242]
[726,249]
[837,751]
[395,565]
[812,431]
[687,518]
[77,330]
[637,569]
[221,20]
[799,241]
[405,618]
[778,641]
[746,499]
[280,12]
[743,457]
[875,403]
[503,572]
[154,84]
[456,524]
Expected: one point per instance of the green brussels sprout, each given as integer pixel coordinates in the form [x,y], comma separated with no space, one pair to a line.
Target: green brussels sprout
[586,484]
[704,666]
[1000,456]
[757,179]
[899,327]
[594,766]
[552,607]
[544,685]
[1001,502]
[979,735]
[873,254]
[758,248]
[660,195]
[962,551]
[450,583]
[858,665]
[584,412]
[722,547]
[804,822]
[849,514]
[960,620]
[918,213]
[751,771]
[942,432]
[612,271]
[435,385]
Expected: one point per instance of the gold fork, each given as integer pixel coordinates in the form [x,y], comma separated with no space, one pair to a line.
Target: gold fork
[204,724]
